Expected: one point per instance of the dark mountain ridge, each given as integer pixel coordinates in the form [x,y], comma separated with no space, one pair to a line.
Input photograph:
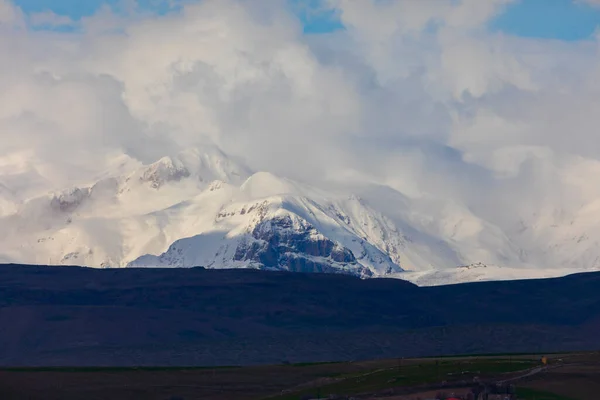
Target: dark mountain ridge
[82,316]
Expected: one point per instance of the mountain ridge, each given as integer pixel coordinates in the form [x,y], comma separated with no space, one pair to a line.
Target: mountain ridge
[201,208]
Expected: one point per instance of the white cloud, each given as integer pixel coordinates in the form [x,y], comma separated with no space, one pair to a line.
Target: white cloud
[414,93]
[10,15]
[590,2]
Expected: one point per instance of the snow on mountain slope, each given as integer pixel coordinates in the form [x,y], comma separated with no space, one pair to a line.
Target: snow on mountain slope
[200,207]
[481,273]
[204,201]
[105,223]
[556,237]
[267,224]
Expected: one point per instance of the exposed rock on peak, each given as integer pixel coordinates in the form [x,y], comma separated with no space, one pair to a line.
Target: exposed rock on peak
[69,200]
[164,170]
[291,243]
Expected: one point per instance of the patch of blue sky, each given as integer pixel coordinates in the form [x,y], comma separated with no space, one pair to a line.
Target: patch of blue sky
[567,20]
[315,16]
[76,9]
[549,19]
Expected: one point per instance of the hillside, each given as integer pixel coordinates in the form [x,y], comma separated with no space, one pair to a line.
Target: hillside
[78,316]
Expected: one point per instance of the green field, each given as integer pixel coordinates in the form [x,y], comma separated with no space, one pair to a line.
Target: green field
[573,376]
[414,373]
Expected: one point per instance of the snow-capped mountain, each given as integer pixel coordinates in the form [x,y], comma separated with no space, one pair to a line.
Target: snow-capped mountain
[478,273]
[267,223]
[202,208]
[221,213]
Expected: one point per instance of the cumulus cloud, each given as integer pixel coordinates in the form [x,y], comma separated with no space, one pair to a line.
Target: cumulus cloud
[418,95]
[590,2]
[10,16]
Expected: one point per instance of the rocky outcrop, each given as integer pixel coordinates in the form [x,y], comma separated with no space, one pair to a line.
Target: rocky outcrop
[291,243]
[69,200]
[164,170]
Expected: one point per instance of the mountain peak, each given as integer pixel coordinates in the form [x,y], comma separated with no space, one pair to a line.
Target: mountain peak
[164,170]
[266,184]
[200,207]
[209,163]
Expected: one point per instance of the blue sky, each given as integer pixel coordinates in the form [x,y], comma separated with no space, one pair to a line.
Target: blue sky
[73,8]
[553,19]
